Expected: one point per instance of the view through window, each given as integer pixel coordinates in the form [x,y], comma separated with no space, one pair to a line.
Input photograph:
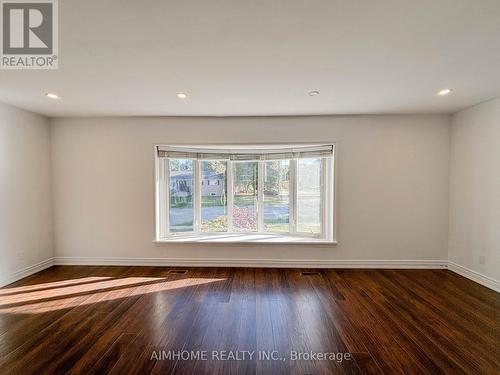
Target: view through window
[282,191]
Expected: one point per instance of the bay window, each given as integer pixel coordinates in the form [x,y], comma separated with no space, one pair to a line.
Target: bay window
[233,191]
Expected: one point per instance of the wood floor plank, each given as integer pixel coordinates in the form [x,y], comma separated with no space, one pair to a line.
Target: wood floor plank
[111,320]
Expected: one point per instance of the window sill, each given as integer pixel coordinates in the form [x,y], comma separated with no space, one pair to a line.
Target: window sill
[246,238]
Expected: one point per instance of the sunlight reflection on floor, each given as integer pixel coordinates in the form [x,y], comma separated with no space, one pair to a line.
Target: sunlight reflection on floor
[46,297]
[82,280]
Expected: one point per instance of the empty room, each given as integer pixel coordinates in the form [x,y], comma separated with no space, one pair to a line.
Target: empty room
[250,187]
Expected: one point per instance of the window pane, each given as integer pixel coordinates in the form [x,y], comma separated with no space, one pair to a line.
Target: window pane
[213,196]
[276,196]
[245,196]
[181,195]
[309,196]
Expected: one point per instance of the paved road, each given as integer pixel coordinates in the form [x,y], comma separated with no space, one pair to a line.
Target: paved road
[275,212]
[184,215]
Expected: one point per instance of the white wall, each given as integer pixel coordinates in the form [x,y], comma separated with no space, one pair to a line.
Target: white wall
[392,184]
[25,196]
[474,234]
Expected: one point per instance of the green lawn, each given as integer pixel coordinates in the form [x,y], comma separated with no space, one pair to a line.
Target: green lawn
[277,227]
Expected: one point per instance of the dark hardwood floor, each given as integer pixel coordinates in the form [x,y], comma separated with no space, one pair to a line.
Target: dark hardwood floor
[122,320]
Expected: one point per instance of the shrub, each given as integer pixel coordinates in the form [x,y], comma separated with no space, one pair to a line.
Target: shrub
[243,219]
[216,225]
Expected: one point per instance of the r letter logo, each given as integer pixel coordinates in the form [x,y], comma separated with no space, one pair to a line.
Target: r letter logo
[29,34]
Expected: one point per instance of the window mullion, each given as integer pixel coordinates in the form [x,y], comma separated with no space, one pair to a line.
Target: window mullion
[323,198]
[167,197]
[293,193]
[197,196]
[292,196]
[229,187]
[260,196]
[328,199]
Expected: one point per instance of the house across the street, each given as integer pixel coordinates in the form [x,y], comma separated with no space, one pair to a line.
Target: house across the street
[181,184]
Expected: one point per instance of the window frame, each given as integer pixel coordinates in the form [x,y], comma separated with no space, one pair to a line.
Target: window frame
[328,196]
[230,181]
[291,197]
[198,213]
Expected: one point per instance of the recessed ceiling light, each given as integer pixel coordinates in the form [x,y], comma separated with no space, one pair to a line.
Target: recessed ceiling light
[51,96]
[313,93]
[444,92]
[182,95]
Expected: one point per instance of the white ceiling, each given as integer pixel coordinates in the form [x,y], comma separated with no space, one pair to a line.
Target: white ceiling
[262,57]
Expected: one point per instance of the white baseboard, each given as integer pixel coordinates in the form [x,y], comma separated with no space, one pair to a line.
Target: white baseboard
[276,263]
[283,263]
[474,276]
[25,272]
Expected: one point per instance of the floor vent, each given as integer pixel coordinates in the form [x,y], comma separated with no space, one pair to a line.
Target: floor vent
[310,273]
[178,272]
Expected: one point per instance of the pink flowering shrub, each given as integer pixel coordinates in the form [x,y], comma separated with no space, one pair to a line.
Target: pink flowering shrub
[244,219]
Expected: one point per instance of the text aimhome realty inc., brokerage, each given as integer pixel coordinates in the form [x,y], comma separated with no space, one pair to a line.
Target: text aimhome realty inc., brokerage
[29,37]
[247,355]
